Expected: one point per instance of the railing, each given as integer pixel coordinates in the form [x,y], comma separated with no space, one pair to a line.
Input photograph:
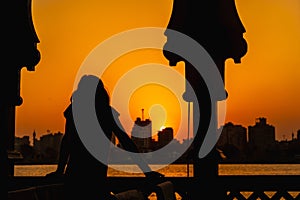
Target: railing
[262,187]
[272,187]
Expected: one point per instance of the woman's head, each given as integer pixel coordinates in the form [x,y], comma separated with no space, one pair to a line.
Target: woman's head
[87,85]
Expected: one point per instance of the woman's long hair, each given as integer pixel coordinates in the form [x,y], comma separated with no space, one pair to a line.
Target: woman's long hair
[93,85]
[86,84]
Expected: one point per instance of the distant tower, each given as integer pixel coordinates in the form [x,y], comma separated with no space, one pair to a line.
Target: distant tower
[34,137]
[142,114]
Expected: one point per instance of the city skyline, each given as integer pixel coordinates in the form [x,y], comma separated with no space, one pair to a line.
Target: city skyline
[287,137]
[237,144]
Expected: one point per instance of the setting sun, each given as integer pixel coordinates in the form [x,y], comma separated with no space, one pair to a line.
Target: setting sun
[162,128]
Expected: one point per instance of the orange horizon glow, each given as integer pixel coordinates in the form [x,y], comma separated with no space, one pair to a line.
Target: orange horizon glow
[265,84]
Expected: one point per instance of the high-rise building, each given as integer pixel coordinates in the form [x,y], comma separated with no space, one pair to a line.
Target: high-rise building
[47,147]
[261,135]
[19,142]
[235,135]
[165,136]
[141,133]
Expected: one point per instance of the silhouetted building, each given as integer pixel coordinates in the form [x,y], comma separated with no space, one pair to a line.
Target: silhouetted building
[261,135]
[47,147]
[298,135]
[141,134]
[165,136]
[235,135]
[48,140]
[21,142]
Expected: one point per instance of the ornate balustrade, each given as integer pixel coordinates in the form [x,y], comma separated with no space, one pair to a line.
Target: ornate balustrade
[262,187]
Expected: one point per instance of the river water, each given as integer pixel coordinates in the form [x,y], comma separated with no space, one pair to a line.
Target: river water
[175,170]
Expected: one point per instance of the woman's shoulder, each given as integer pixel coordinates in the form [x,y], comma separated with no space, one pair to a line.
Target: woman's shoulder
[68,111]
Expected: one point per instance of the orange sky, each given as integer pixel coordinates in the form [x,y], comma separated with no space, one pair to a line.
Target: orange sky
[265,84]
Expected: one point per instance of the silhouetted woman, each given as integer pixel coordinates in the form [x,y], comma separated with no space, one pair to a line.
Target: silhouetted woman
[85,176]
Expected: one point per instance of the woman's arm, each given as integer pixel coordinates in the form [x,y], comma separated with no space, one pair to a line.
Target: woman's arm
[63,158]
[129,145]
[64,151]
[63,155]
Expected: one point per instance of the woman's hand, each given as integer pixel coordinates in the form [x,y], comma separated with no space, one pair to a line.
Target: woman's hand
[55,174]
[154,177]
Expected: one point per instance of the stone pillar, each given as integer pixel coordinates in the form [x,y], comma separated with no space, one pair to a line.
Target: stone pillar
[216,26]
[19,49]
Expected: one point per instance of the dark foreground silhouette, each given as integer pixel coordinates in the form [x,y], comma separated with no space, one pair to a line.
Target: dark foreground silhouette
[86,176]
[216,26]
